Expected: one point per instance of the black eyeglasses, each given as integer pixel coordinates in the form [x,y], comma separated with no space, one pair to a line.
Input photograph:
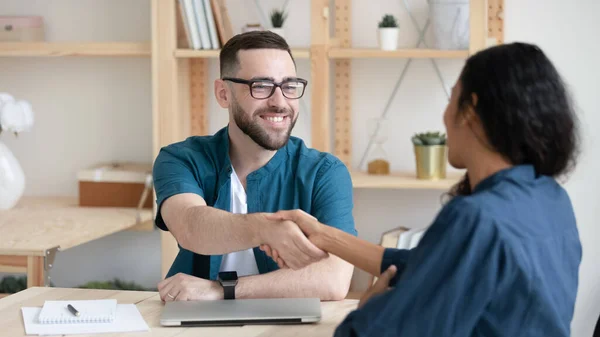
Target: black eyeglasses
[292,88]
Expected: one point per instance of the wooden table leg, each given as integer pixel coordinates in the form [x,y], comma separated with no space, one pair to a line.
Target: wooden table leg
[14,264]
[35,271]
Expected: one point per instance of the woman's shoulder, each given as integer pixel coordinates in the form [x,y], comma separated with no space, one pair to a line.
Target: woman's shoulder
[534,213]
[464,216]
[461,207]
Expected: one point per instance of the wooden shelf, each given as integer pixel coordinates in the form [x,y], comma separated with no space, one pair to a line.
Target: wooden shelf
[54,49]
[37,224]
[400,180]
[214,53]
[345,53]
[337,53]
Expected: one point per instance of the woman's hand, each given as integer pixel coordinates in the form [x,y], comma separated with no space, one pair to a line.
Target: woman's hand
[381,286]
[287,243]
[307,223]
[361,253]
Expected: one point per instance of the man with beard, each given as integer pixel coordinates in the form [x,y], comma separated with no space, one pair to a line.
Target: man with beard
[214,192]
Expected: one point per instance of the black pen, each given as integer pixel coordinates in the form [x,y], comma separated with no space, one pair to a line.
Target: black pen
[73,310]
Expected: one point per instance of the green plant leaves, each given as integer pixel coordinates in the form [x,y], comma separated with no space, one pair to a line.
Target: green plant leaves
[388,21]
[278,17]
[11,284]
[429,138]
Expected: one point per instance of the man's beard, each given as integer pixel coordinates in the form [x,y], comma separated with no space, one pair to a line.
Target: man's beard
[252,128]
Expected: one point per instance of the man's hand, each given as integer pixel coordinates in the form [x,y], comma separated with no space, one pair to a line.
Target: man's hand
[272,253]
[309,225]
[291,244]
[380,287]
[183,287]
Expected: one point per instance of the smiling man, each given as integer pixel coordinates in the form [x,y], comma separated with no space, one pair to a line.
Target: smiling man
[213,191]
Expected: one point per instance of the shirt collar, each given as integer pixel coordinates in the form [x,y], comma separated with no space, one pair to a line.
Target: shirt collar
[280,156]
[521,173]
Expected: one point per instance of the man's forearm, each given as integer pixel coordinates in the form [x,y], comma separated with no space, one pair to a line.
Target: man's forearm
[328,280]
[211,231]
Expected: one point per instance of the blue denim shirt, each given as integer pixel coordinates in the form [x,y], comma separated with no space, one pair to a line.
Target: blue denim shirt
[503,261]
[295,178]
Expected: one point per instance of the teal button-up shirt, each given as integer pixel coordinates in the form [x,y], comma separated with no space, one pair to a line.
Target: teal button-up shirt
[295,178]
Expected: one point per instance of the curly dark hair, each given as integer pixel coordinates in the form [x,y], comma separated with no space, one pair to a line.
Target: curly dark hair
[524,107]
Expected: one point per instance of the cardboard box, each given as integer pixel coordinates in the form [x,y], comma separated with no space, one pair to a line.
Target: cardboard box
[116,185]
[21,29]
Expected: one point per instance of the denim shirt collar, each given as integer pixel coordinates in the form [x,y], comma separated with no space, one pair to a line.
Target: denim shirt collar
[520,173]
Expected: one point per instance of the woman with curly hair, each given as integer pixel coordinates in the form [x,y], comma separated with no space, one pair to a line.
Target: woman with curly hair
[502,257]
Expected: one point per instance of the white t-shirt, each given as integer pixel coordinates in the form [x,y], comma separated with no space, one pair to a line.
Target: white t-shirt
[243,262]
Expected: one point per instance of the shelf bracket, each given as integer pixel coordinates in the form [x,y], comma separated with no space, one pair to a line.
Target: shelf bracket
[49,257]
[403,74]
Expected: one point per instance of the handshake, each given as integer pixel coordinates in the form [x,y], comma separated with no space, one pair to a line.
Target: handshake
[294,239]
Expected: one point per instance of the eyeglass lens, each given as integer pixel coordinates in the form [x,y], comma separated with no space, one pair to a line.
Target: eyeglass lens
[290,89]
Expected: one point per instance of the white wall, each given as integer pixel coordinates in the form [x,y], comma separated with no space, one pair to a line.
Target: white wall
[568,33]
[63,91]
[88,110]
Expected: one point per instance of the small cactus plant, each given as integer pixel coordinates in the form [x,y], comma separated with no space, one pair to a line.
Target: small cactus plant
[278,18]
[429,138]
[388,21]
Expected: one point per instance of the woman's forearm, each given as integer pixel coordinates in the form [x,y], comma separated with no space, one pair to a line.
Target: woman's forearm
[362,254]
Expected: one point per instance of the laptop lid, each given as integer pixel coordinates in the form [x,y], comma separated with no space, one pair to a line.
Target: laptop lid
[241,312]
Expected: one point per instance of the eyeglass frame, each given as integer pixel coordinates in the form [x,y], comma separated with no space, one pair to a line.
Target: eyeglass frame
[275,85]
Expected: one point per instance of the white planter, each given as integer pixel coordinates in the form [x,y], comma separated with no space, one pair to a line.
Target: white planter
[12,179]
[388,38]
[450,23]
[278,31]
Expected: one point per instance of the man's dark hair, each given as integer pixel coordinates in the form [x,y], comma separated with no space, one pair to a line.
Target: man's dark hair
[263,39]
[524,108]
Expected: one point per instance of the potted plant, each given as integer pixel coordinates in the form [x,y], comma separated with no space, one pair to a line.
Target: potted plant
[388,32]
[430,155]
[278,18]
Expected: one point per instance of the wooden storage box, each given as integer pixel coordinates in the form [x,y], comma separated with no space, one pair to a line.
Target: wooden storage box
[21,29]
[115,185]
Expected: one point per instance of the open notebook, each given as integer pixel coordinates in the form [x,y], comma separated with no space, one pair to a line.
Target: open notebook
[97,316]
[95,311]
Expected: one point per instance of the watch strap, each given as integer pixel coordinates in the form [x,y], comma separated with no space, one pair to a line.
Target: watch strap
[229,292]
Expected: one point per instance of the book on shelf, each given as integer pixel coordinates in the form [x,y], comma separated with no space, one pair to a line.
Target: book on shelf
[212,27]
[224,27]
[401,238]
[206,23]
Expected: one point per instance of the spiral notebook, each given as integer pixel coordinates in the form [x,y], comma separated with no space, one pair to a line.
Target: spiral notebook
[91,311]
[127,319]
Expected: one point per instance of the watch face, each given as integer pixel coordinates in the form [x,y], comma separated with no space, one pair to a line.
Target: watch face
[228,276]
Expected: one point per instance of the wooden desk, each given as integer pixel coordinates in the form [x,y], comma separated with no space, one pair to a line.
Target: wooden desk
[37,227]
[150,306]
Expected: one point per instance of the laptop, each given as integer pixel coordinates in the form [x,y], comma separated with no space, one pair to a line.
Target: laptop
[241,312]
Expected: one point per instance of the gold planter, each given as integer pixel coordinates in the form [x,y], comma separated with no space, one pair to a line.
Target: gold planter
[431,161]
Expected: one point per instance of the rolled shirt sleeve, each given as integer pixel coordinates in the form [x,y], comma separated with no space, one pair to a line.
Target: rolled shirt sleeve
[333,197]
[173,174]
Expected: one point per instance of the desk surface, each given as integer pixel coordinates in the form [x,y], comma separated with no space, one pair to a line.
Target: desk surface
[150,306]
[37,224]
